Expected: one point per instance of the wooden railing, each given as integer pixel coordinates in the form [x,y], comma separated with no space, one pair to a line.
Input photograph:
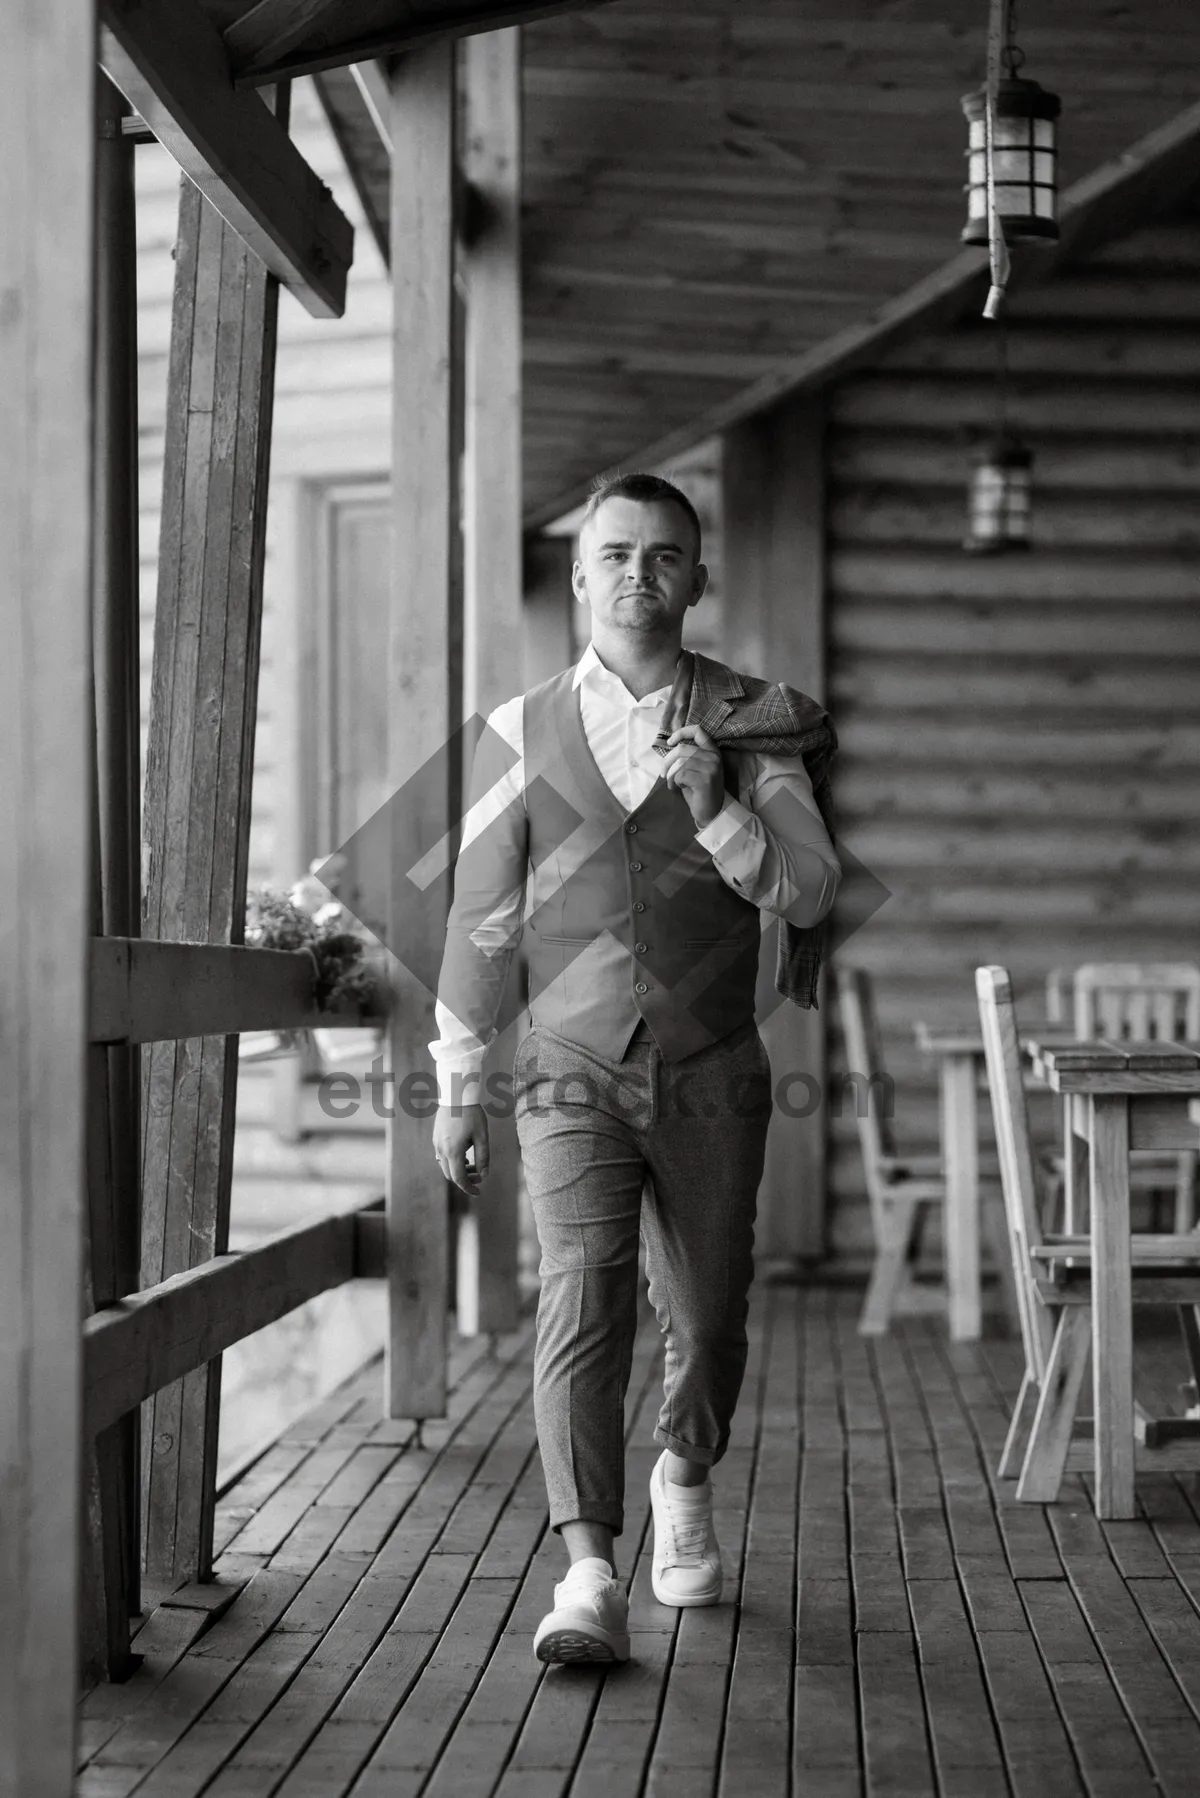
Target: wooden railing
[143,991]
[147,992]
[134,1348]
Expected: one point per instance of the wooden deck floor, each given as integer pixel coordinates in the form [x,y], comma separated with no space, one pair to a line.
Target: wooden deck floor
[894,1623]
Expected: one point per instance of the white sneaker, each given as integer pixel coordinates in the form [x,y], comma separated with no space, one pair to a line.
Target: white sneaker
[686,1569]
[590,1619]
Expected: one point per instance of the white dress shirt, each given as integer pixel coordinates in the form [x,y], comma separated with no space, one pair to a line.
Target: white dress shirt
[794,878]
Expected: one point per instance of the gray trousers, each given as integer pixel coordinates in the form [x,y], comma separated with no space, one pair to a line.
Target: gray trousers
[595,1137]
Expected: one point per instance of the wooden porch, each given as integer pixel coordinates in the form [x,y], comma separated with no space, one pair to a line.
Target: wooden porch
[895,1621]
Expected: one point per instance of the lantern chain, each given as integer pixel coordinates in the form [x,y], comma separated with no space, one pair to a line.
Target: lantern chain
[1012,56]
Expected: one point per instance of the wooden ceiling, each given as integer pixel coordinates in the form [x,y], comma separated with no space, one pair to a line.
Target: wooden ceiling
[716,187]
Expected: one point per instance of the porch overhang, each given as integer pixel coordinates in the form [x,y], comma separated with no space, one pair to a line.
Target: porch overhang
[720,216]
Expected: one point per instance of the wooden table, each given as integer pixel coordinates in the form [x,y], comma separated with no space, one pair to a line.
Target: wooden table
[1122,1096]
[960,1058]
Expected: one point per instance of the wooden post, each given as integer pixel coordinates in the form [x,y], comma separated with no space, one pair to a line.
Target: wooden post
[774,505]
[548,639]
[199,760]
[111,1590]
[492,573]
[47,128]
[425,684]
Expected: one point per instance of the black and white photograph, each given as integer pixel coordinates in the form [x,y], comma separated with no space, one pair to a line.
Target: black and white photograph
[600,939]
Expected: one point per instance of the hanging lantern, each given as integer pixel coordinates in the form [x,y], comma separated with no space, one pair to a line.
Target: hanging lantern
[1024,154]
[1022,144]
[1000,498]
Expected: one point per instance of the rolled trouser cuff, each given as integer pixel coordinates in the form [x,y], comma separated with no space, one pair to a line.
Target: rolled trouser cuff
[688,1451]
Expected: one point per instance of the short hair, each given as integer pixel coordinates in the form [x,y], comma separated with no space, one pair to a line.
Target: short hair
[646,489]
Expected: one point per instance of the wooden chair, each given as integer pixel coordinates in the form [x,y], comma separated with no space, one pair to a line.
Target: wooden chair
[1053,1274]
[1137,1002]
[900,1187]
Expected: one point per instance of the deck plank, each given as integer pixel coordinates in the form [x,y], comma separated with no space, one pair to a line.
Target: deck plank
[894,1621]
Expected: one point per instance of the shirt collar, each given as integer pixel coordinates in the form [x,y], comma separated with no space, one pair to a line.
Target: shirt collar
[590,668]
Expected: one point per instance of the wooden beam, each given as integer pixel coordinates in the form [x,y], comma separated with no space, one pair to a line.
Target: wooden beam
[153,992]
[492,555]
[548,637]
[47,150]
[774,575]
[152,1338]
[172,66]
[278,38]
[1150,177]
[111,1565]
[359,131]
[425,681]
[200,755]
[375,85]
[370,1244]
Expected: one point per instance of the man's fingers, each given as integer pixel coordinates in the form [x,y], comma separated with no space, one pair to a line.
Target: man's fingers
[463,1176]
[482,1148]
[458,1135]
[687,755]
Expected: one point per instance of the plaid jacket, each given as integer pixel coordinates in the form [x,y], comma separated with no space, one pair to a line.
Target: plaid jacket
[740,712]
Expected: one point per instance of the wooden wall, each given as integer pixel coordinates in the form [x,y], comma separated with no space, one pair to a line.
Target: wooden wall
[1021,735]
[331,427]
[331,423]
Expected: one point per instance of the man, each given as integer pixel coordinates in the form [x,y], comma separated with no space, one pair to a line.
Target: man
[642,860]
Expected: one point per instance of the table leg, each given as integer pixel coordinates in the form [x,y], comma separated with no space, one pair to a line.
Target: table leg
[1075,1164]
[1112,1303]
[960,1154]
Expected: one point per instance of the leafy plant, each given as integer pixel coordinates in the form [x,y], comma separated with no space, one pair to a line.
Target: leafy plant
[342,973]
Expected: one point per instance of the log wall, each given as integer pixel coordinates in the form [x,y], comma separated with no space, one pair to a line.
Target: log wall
[1021,734]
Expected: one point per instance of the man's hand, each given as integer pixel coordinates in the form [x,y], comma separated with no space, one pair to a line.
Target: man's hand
[457,1128]
[693,764]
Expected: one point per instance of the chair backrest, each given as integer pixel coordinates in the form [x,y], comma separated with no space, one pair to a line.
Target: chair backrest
[1138,1001]
[864,1061]
[1058,987]
[1002,1049]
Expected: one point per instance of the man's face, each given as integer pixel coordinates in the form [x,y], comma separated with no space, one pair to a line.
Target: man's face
[638,567]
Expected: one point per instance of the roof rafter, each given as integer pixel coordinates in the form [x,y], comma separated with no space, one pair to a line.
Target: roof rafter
[281,38]
[355,100]
[1154,174]
[172,66]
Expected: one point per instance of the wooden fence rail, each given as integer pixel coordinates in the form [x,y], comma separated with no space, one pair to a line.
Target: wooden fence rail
[133,1348]
[143,991]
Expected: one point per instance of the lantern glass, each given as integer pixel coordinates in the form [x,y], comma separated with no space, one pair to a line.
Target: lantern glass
[1024,159]
[1001,499]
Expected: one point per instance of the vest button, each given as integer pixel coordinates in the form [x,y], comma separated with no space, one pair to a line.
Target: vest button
[635,867]
[638,906]
[631,828]
[641,987]
[639,948]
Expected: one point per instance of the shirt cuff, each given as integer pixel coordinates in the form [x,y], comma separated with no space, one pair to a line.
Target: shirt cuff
[459,1086]
[729,822]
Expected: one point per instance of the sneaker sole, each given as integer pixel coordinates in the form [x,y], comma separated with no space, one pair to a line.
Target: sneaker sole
[573,1647]
[692,1601]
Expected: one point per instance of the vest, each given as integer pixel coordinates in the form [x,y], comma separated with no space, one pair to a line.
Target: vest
[628,918]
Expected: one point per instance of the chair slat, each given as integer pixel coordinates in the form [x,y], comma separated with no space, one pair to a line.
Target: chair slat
[1002,1051]
[898,1188]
